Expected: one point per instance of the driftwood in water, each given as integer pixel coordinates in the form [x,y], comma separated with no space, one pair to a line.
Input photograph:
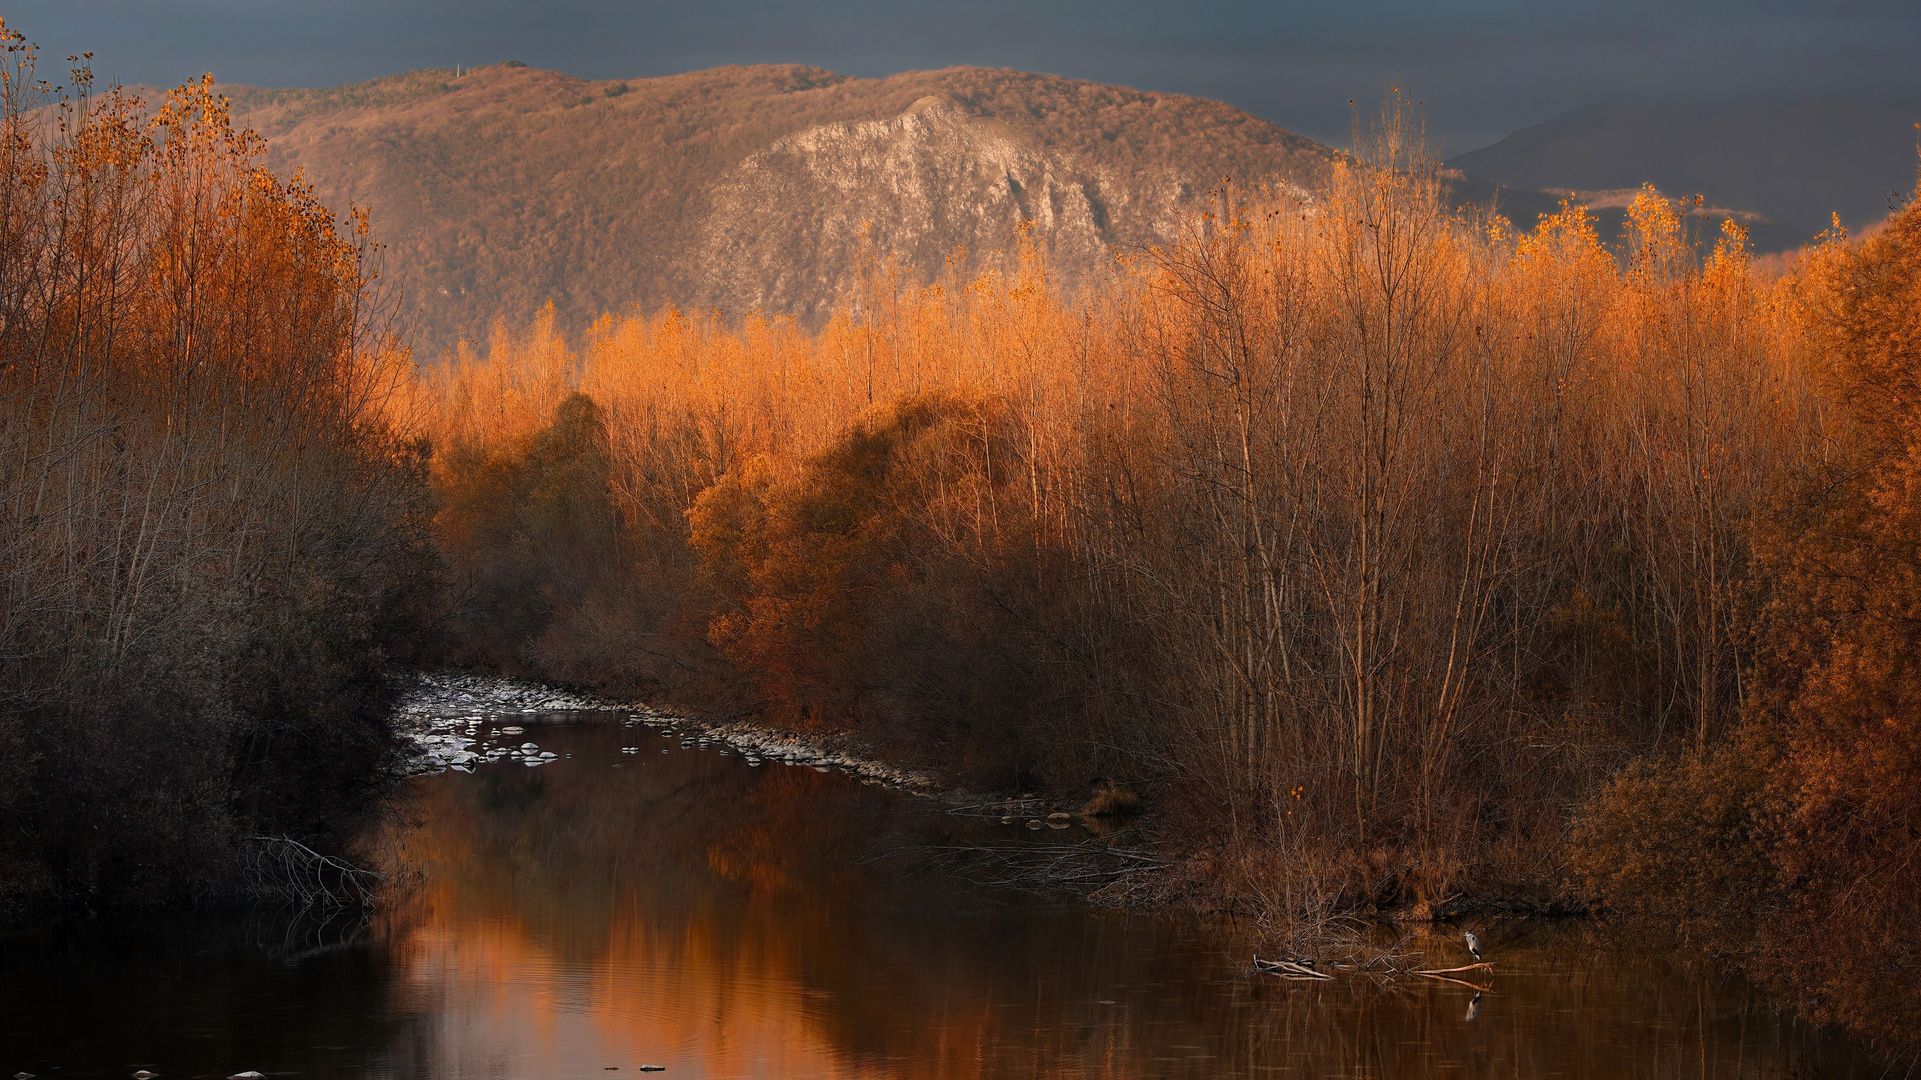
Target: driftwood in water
[1387,964]
[1291,969]
[1482,966]
[1474,986]
[1447,975]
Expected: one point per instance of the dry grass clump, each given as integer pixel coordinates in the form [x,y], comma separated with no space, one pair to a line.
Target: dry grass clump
[1113,800]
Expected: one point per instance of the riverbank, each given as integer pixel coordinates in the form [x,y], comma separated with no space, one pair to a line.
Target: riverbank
[443,715]
[462,721]
[607,911]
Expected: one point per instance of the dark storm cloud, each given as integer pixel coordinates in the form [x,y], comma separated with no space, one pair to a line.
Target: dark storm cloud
[1483,68]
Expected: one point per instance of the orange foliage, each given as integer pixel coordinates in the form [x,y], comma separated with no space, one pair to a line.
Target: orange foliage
[1843,675]
[1357,533]
[800,565]
[1345,493]
[211,542]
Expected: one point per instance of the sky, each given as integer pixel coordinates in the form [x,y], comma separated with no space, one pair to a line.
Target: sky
[1482,68]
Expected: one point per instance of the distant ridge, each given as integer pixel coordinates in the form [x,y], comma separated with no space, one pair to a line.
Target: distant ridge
[744,187]
[1794,163]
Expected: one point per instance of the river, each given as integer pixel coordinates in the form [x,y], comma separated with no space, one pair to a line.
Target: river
[639,902]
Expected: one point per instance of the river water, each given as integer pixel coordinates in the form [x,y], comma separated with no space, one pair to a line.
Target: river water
[636,902]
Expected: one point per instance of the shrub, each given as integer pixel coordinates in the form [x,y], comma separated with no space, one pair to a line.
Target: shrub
[1685,842]
[1113,800]
[1839,673]
[531,533]
[889,588]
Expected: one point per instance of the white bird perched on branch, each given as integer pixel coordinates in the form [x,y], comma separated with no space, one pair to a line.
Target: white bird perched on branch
[1473,944]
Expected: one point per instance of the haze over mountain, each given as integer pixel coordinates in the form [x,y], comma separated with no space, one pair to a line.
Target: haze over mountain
[1795,162]
[502,187]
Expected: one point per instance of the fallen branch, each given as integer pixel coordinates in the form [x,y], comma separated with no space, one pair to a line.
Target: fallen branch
[994,808]
[1291,969]
[1483,966]
[286,869]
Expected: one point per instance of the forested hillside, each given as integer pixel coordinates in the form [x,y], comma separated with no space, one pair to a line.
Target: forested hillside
[502,187]
[498,189]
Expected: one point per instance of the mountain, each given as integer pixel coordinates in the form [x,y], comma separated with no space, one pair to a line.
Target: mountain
[1795,164]
[499,188]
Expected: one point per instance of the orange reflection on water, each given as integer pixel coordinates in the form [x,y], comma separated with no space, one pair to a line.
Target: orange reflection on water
[687,911]
[553,943]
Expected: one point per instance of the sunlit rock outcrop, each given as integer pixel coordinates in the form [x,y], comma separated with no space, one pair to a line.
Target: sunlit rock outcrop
[792,226]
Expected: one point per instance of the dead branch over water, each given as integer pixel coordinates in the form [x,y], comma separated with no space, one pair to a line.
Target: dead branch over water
[280,868]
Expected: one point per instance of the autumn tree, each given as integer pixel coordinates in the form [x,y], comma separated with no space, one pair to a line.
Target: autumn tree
[213,541]
[1842,690]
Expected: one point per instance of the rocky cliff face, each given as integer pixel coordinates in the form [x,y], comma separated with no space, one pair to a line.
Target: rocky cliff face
[503,188]
[789,226]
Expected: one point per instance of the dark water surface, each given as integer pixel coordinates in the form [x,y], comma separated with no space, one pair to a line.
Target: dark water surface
[622,906]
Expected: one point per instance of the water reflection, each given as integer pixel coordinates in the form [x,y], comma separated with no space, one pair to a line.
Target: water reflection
[182,996]
[684,909]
